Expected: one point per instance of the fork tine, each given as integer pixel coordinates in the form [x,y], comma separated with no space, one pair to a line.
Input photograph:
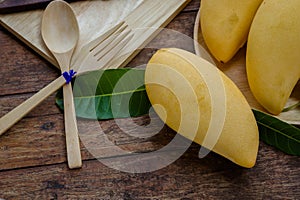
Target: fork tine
[102,54]
[108,44]
[114,31]
[89,46]
[107,59]
[110,52]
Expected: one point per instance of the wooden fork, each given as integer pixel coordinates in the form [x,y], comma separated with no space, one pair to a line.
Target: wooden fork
[95,55]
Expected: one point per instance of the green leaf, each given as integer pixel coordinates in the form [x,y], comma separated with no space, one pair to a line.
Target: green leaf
[107,94]
[291,107]
[278,133]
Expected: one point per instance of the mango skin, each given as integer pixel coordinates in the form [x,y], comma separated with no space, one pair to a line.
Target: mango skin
[225,25]
[272,61]
[239,138]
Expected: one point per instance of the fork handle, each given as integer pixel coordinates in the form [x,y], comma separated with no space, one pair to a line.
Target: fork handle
[72,139]
[20,111]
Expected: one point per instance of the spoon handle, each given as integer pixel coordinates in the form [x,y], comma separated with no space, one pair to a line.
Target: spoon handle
[72,139]
[20,111]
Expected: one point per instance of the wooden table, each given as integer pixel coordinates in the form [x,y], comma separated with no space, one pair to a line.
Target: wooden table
[33,153]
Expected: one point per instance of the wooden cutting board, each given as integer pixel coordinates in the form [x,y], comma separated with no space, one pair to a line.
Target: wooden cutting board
[96,16]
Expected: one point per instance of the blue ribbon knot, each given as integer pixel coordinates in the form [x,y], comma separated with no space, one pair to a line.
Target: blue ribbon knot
[69,75]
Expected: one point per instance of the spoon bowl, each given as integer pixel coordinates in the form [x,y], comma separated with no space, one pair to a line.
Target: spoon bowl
[60,29]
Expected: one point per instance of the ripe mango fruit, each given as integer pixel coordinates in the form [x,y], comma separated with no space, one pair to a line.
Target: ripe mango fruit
[184,89]
[225,25]
[273,53]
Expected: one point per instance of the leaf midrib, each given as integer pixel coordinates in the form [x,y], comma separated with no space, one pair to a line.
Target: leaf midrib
[112,94]
[277,131]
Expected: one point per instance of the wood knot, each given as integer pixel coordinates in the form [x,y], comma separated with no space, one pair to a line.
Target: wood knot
[54,185]
[48,126]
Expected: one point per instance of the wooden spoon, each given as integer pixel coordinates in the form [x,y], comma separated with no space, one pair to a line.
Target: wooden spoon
[60,33]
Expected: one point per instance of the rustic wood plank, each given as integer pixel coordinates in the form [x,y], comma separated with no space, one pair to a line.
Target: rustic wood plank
[42,141]
[12,6]
[192,6]
[22,70]
[7,6]
[47,107]
[188,178]
[46,136]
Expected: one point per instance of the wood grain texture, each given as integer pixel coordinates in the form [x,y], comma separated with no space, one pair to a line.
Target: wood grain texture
[12,6]
[18,60]
[192,6]
[187,178]
[33,157]
[7,6]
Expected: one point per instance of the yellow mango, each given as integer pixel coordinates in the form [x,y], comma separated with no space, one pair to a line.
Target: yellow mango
[194,98]
[273,49]
[225,25]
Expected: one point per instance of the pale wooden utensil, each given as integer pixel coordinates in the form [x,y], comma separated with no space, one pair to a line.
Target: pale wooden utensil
[100,52]
[60,33]
[110,44]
